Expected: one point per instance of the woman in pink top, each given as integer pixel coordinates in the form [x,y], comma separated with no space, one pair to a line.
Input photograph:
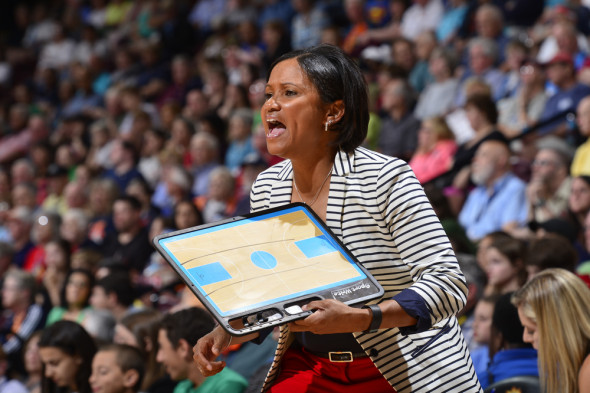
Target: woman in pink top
[436,147]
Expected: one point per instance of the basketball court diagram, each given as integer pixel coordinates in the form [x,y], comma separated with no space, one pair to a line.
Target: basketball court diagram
[250,263]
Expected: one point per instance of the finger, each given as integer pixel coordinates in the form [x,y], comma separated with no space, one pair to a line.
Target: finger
[314,305]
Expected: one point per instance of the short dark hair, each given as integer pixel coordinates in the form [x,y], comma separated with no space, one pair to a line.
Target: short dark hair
[550,251]
[485,104]
[128,358]
[118,283]
[130,200]
[72,339]
[337,77]
[189,324]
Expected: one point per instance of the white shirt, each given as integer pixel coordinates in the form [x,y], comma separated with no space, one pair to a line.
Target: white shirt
[417,19]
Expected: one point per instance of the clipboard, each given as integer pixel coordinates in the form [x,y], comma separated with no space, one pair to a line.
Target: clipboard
[256,271]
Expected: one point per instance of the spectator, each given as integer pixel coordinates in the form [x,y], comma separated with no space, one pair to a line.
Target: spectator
[57,266]
[499,200]
[7,384]
[436,148]
[140,329]
[57,181]
[549,251]
[117,368]
[129,244]
[482,326]
[220,202]
[113,293]
[177,333]
[505,264]
[437,97]
[21,316]
[32,363]
[45,229]
[204,151]
[150,164]
[240,139]
[398,136]
[549,188]
[510,356]
[569,93]
[100,324]
[523,109]
[579,200]
[74,229]
[428,12]
[483,55]
[75,298]
[66,350]
[581,163]
[489,23]
[553,308]
[124,157]
[20,222]
[307,23]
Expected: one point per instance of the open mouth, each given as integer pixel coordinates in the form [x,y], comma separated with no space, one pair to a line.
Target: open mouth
[275,128]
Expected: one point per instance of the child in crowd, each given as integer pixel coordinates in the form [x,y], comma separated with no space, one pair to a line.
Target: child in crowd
[505,264]
[482,325]
[117,368]
[66,350]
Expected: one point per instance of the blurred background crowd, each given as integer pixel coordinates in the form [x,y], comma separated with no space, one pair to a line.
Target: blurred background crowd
[121,120]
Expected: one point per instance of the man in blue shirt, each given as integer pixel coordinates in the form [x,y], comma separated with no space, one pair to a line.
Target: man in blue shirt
[561,73]
[499,200]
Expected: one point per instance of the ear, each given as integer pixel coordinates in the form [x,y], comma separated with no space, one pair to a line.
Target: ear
[130,378]
[184,349]
[335,112]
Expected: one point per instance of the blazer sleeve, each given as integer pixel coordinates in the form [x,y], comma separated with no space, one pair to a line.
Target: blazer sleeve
[439,290]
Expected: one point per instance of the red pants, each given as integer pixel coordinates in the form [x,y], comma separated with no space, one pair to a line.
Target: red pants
[303,372]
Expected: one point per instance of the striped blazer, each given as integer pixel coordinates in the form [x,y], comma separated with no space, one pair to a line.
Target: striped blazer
[379,210]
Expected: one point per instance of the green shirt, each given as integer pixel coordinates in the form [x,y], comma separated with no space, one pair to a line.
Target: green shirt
[227,381]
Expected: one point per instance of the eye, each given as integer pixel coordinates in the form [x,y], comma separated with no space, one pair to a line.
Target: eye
[267,96]
[290,93]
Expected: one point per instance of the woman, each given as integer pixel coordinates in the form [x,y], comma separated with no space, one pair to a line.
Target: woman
[74,298]
[66,350]
[436,147]
[505,265]
[316,117]
[554,308]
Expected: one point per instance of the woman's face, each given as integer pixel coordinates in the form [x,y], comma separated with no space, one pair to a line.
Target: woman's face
[77,289]
[293,113]
[185,216]
[32,357]
[499,269]
[482,323]
[580,196]
[530,334]
[55,257]
[427,136]
[60,367]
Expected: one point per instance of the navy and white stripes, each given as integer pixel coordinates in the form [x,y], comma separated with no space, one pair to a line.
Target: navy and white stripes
[378,209]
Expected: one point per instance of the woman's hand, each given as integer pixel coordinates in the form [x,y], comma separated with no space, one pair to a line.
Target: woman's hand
[331,316]
[208,349]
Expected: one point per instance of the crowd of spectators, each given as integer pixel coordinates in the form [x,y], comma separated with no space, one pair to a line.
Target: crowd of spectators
[122,120]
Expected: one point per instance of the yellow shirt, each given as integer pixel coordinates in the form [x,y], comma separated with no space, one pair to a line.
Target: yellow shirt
[581,164]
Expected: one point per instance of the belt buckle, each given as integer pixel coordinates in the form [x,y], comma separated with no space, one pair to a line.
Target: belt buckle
[340,357]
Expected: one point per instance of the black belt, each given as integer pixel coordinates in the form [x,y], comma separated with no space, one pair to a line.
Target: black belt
[338,356]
